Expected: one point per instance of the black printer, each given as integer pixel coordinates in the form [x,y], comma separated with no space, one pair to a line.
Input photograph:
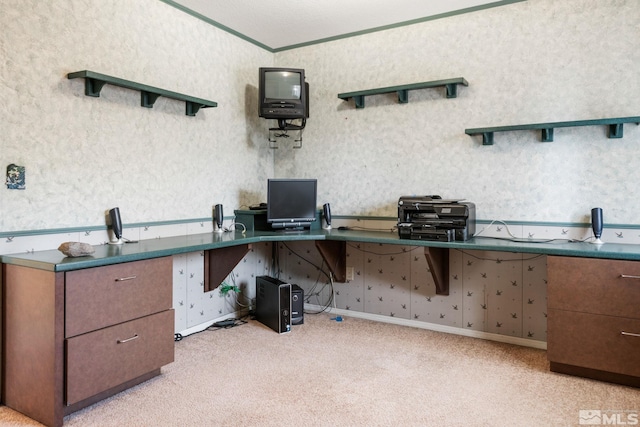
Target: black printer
[434,218]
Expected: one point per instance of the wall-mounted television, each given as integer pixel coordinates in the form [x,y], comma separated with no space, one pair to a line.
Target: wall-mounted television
[291,203]
[283,94]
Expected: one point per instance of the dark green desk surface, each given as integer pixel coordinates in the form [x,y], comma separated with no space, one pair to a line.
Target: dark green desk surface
[54,260]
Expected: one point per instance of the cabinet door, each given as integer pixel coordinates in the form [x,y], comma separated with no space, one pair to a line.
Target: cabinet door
[106,358]
[594,341]
[597,286]
[104,296]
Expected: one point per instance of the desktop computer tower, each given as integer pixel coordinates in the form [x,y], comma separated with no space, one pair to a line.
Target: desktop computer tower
[273,303]
[297,305]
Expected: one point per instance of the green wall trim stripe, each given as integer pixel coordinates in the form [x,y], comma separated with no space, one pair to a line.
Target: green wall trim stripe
[342,36]
[6,234]
[508,222]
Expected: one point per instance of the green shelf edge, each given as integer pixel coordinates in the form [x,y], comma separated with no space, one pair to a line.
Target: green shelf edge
[451,86]
[615,128]
[94,83]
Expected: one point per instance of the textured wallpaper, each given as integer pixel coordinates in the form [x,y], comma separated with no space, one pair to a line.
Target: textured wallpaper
[84,155]
[531,62]
[528,62]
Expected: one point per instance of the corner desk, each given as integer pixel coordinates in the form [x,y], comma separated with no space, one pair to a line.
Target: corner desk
[77,330]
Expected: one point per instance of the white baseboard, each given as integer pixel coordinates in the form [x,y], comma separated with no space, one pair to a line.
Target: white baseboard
[432,327]
[542,345]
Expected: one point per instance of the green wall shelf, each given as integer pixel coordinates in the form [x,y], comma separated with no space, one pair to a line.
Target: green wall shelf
[450,85]
[615,128]
[93,83]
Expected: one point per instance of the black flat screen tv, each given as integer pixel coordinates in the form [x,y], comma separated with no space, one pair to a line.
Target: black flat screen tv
[291,203]
[283,93]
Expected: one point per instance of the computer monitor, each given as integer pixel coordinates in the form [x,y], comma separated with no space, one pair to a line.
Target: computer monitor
[291,203]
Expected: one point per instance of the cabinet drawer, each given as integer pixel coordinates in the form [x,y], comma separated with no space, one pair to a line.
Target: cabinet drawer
[104,296]
[109,357]
[594,286]
[594,341]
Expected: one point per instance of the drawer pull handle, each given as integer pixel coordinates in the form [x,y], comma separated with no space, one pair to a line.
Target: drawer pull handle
[135,337]
[630,334]
[629,276]
[122,279]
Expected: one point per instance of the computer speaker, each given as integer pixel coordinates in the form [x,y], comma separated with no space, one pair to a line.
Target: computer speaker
[116,226]
[326,210]
[597,224]
[218,218]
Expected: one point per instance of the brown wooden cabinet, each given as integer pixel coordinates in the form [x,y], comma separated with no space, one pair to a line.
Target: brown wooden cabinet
[593,325]
[73,338]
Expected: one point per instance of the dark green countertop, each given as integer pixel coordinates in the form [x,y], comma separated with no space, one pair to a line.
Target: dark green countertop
[54,260]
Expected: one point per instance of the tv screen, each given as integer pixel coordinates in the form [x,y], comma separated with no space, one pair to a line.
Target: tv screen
[282,85]
[283,93]
[291,203]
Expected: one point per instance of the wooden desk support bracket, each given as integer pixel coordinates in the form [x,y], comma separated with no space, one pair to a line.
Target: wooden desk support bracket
[218,264]
[438,260]
[334,252]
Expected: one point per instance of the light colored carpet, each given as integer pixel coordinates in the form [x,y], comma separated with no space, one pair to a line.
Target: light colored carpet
[351,373]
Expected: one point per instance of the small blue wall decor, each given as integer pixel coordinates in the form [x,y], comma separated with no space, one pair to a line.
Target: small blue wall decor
[15,177]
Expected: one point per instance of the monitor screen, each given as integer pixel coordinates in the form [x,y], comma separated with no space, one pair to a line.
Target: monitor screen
[284,85]
[291,203]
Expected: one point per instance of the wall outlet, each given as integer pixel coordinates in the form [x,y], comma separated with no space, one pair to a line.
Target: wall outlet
[350,273]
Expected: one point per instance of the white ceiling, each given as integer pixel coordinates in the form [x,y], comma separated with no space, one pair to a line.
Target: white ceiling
[278,24]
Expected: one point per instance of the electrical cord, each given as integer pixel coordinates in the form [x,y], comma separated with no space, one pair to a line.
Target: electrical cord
[233,226]
[350,227]
[316,293]
[498,260]
[285,126]
[400,252]
[215,326]
[491,223]
[226,324]
[314,289]
[515,239]
[525,239]
[282,135]
[275,261]
[225,289]
[306,260]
